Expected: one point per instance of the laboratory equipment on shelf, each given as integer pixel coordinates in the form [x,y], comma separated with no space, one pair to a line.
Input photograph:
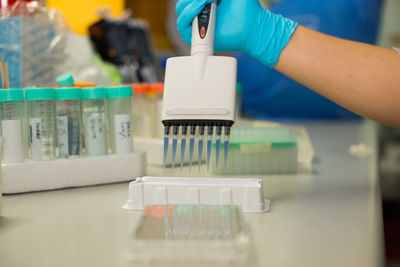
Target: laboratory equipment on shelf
[42,123]
[69,130]
[266,150]
[95,121]
[192,235]
[120,118]
[199,91]
[12,115]
[140,110]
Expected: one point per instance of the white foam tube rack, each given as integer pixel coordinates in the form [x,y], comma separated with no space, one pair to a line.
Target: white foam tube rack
[63,173]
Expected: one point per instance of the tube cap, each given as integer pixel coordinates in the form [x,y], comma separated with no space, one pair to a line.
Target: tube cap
[140,88]
[84,84]
[93,93]
[119,91]
[10,95]
[68,93]
[65,80]
[40,94]
[157,88]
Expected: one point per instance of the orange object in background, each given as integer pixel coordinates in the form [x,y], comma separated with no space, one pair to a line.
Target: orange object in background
[140,88]
[84,84]
[157,88]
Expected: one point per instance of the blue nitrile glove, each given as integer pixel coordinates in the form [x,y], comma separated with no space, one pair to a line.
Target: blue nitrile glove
[241,25]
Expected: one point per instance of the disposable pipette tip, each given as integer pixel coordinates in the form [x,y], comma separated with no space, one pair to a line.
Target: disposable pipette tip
[226,145]
[166,141]
[174,146]
[217,149]
[209,146]
[200,150]
[217,146]
[175,132]
[183,146]
[191,148]
[226,150]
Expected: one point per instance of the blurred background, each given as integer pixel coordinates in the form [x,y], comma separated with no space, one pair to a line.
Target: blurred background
[117,41]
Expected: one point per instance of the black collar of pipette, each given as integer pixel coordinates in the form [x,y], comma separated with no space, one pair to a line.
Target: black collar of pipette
[221,123]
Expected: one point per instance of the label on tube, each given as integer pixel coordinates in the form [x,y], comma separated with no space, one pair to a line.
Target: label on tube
[123,136]
[13,147]
[62,136]
[96,134]
[35,134]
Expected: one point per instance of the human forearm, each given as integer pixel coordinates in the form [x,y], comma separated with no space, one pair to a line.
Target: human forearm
[360,77]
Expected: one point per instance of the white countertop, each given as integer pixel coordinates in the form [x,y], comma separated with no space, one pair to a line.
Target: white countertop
[329,217]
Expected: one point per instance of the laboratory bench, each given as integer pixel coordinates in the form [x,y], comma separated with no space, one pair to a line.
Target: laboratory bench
[327,216]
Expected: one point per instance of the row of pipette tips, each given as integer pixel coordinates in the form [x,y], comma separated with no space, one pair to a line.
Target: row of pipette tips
[192,139]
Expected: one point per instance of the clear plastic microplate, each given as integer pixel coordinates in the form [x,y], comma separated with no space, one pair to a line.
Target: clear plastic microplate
[192,235]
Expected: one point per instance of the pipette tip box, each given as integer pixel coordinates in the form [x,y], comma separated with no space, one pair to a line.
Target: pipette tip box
[244,192]
[255,150]
[64,173]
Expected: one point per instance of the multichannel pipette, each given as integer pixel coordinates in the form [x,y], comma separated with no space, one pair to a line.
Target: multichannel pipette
[199,92]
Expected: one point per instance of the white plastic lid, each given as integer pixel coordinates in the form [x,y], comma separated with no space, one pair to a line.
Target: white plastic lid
[243,192]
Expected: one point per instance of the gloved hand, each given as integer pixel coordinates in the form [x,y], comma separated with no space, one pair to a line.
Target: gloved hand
[241,25]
